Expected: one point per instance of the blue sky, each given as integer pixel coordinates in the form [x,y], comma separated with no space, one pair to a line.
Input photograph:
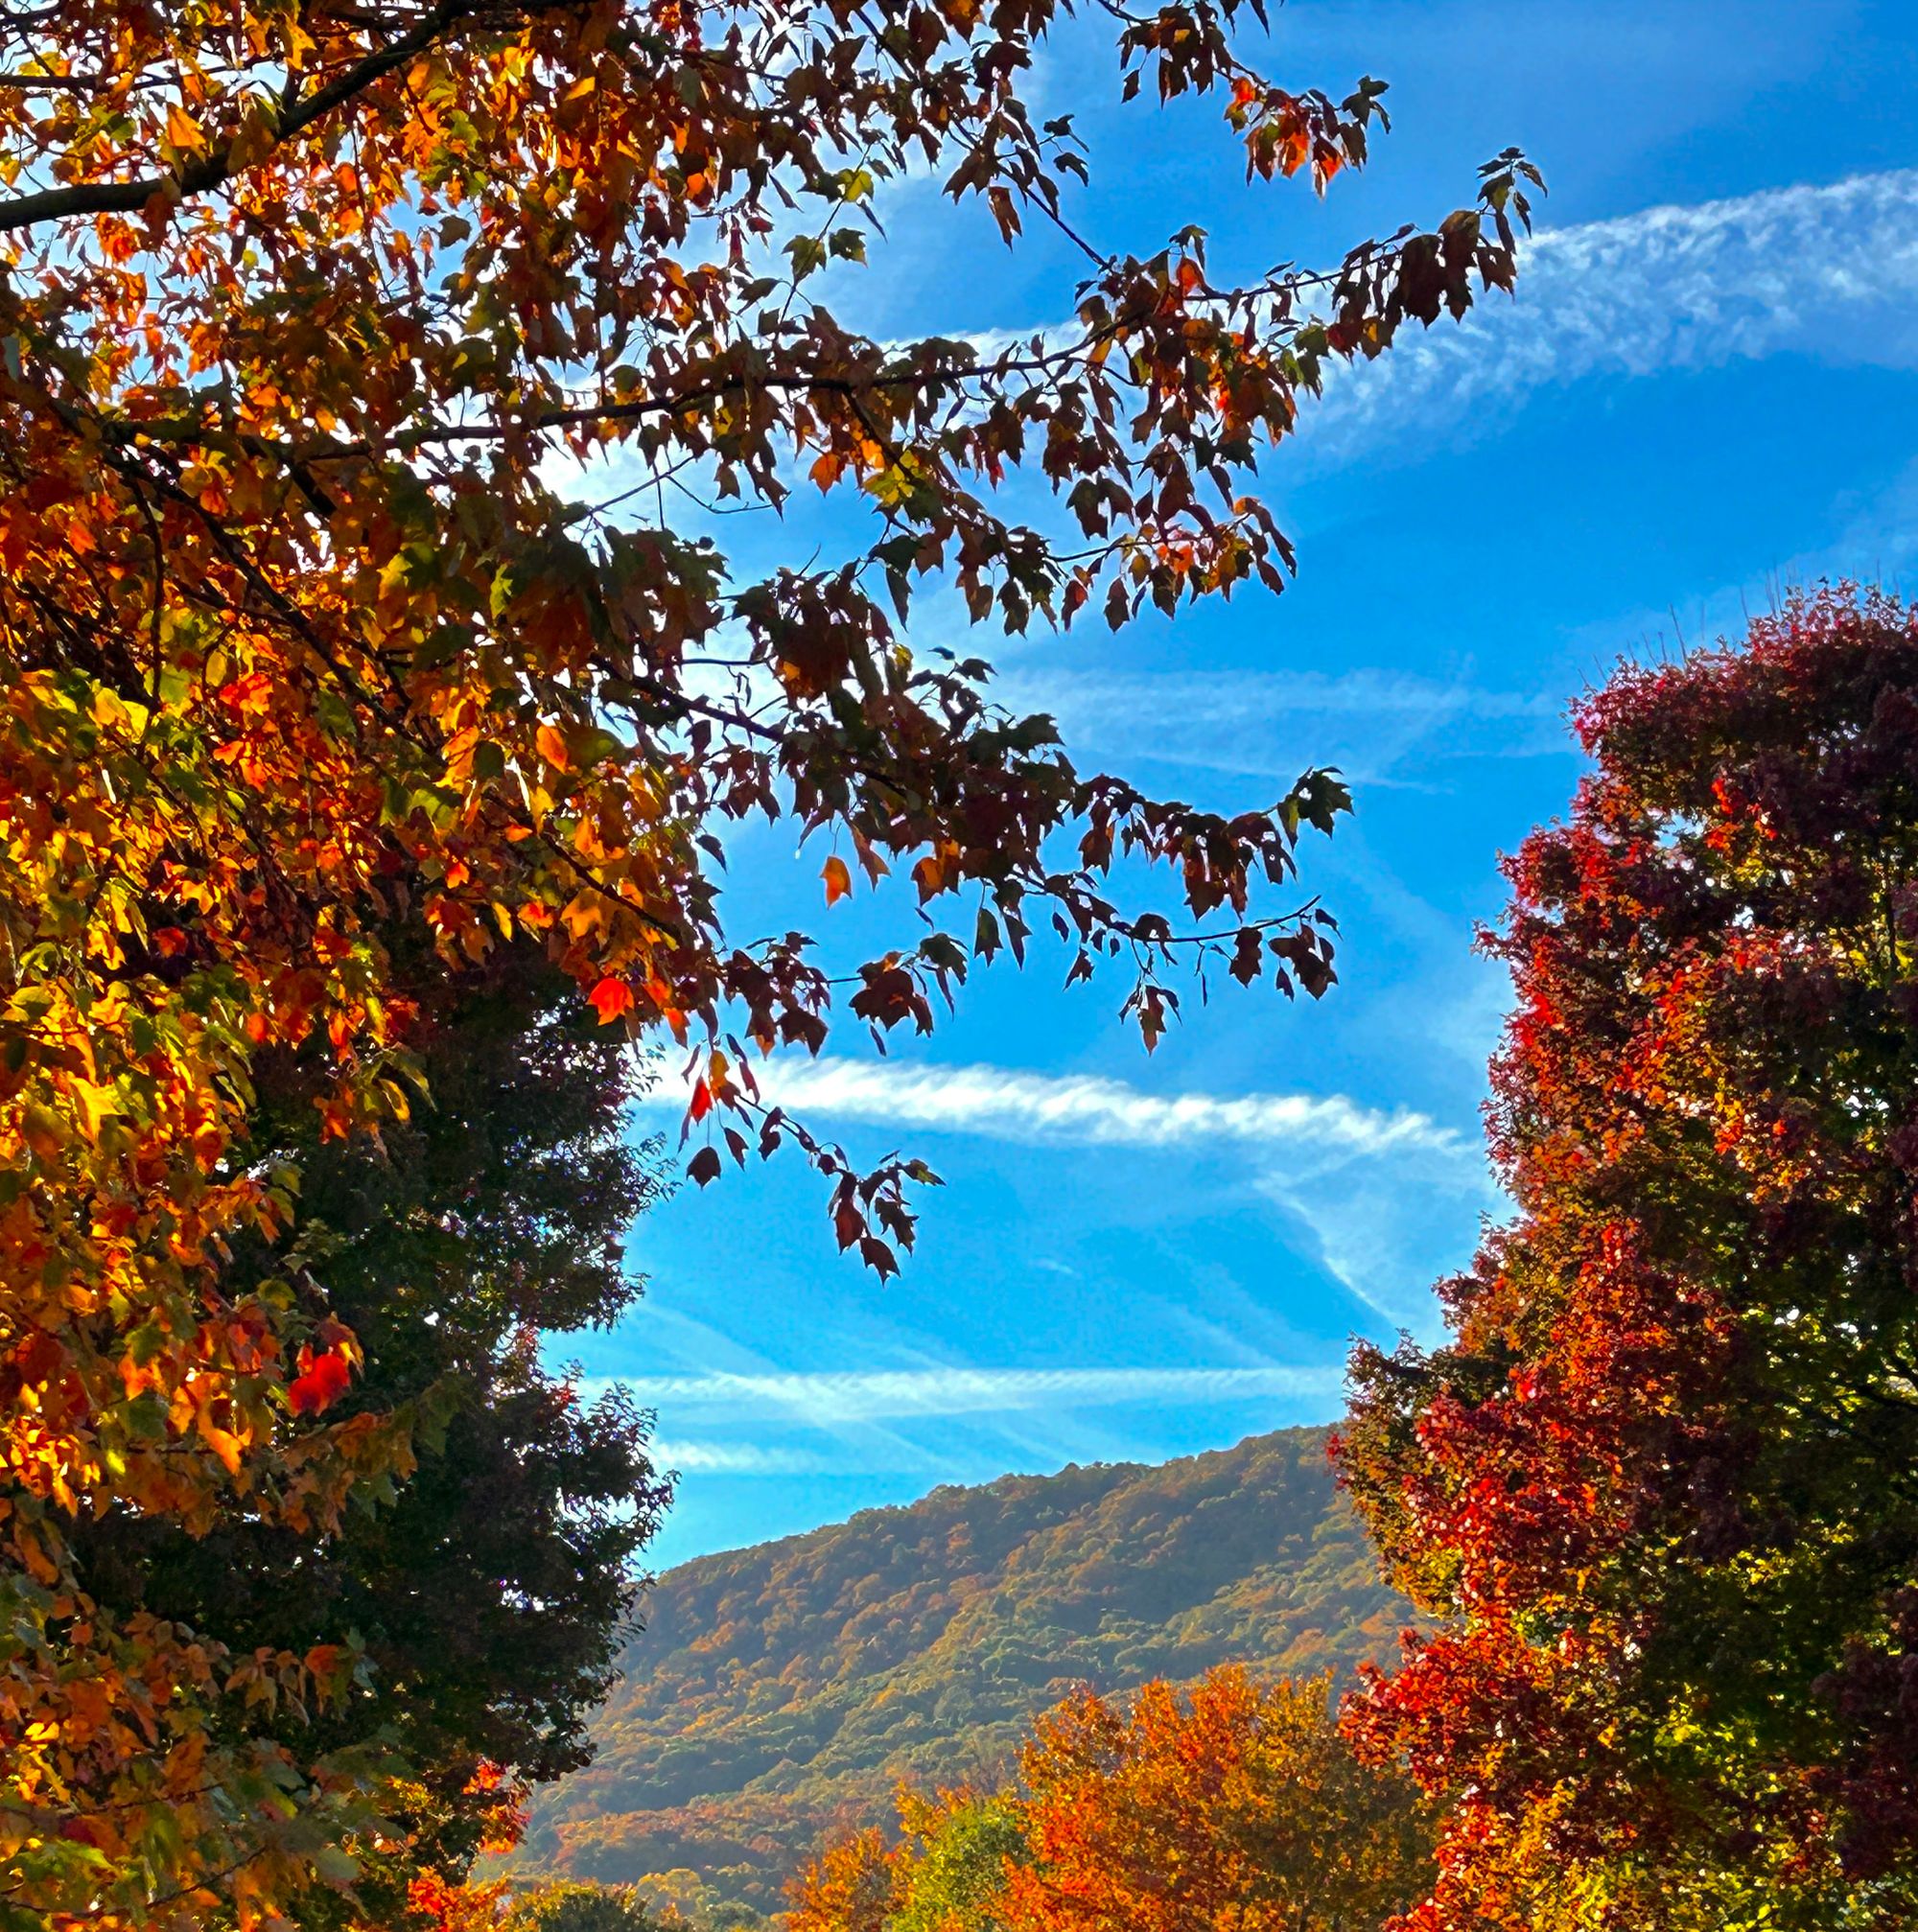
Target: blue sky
[1706,387]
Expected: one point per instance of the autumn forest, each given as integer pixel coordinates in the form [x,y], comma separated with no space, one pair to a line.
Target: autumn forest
[375,966]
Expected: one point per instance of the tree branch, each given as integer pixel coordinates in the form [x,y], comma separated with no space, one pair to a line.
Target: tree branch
[210,171]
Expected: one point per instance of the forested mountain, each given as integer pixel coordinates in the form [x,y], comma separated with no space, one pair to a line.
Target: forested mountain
[780,1689]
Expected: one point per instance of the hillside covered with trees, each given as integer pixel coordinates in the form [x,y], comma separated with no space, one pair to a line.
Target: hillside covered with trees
[781,1691]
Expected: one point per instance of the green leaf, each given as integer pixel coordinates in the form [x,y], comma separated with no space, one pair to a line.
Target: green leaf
[594,745]
[809,253]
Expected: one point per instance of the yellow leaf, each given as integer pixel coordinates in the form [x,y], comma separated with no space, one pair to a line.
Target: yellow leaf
[183,131]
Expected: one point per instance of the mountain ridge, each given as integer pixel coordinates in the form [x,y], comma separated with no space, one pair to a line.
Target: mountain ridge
[780,1692]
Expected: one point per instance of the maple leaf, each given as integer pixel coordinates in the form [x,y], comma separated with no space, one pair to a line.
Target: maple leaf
[610,998]
[323,1378]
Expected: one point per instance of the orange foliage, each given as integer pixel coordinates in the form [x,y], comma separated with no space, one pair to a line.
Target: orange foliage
[1237,1809]
[447,1906]
[852,1886]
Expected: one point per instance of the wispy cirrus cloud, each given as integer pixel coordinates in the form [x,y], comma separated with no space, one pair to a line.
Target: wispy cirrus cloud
[1387,1199]
[1218,697]
[738,1459]
[1088,1110]
[1829,270]
[832,1400]
[898,1420]
[1274,724]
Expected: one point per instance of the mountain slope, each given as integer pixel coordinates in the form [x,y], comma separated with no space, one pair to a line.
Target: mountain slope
[781,1691]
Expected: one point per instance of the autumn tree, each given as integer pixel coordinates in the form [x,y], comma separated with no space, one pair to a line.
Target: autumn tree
[1657,1482]
[566,1905]
[306,309]
[855,1884]
[958,1854]
[436,1904]
[1236,1806]
[479,1608]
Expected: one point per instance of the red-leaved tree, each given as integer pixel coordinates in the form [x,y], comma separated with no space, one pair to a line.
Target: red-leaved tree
[1659,1482]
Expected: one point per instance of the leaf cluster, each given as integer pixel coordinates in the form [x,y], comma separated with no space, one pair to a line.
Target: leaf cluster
[474,1612]
[1232,1806]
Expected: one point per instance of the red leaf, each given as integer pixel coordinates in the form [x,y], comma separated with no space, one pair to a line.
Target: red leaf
[702,1102]
[838,880]
[610,998]
[323,1380]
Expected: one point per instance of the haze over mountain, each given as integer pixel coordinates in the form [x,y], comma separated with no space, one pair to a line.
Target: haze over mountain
[783,1690]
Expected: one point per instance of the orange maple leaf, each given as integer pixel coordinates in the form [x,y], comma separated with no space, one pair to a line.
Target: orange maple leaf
[610,998]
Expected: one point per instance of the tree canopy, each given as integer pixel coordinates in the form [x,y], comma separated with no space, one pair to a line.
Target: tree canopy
[1235,1807]
[1658,1479]
[1232,1807]
[485,1600]
[304,308]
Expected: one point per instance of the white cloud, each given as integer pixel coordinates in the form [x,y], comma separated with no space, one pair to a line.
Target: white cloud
[829,1401]
[870,1421]
[1389,1200]
[1827,271]
[1220,697]
[1088,1111]
[1275,724]
[1037,1415]
[737,1458]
